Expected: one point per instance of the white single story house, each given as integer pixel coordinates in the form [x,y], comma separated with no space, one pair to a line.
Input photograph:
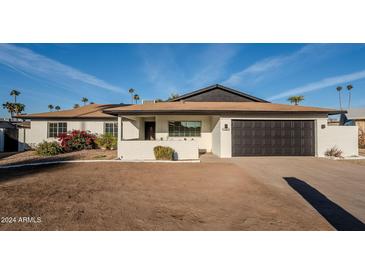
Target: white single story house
[48,125]
[216,119]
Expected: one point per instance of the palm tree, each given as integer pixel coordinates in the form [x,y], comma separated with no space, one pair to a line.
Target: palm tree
[76,105]
[349,88]
[339,88]
[136,98]
[10,107]
[50,107]
[14,93]
[84,100]
[19,108]
[296,99]
[57,108]
[131,91]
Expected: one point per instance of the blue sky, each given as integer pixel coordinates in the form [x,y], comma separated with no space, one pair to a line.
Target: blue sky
[60,74]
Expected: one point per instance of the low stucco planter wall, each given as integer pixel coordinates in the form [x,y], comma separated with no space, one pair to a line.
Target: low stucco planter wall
[343,137]
[143,150]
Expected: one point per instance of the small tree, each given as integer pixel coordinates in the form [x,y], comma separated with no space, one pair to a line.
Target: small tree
[84,100]
[76,105]
[57,108]
[50,107]
[295,99]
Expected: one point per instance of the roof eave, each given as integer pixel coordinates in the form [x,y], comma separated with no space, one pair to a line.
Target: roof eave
[212,112]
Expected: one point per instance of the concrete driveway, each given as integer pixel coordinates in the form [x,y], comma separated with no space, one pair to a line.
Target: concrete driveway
[333,189]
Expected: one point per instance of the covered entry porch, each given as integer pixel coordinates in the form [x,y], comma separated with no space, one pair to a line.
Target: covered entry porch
[188,135]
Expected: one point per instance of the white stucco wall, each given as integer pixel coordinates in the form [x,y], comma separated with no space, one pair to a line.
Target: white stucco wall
[143,150]
[1,139]
[344,138]
[216,135]
[131,128]
[38,129]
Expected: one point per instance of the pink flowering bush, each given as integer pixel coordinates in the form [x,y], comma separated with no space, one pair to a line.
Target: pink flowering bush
[77,140]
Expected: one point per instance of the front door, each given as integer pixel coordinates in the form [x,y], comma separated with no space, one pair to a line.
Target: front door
[149,130]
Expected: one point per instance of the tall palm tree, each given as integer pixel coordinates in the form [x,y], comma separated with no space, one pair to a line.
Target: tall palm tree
[84,100]
[131,91]
[76,105]
[349,88]
[50,107]
[57,108]
[14,93]
[136,98]
[296,99]
[10,107]
[339,88]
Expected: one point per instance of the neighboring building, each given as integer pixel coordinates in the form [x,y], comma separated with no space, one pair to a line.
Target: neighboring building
[48,125]
[215,119]
[356,116]
[9,136]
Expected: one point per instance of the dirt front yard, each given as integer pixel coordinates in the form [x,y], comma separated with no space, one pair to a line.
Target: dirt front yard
[147,196]
[27,157]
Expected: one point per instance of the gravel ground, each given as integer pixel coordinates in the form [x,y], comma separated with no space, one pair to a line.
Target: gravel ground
[31,156]
[148,196]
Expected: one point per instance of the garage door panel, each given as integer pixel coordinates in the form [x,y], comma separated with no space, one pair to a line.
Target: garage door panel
[272,137]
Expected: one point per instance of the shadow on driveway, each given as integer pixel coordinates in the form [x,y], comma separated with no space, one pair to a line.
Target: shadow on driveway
[338,217]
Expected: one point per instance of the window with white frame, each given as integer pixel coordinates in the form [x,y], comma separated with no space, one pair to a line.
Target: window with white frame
[111,128]
[57,128]
[185,128]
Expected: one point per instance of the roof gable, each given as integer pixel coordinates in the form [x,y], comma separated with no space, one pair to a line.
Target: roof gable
[217,93]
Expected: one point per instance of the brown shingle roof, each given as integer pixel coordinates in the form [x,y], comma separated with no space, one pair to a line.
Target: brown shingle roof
[211,107]
[88,111]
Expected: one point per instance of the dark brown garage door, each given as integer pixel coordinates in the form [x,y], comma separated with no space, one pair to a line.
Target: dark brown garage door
[272,138]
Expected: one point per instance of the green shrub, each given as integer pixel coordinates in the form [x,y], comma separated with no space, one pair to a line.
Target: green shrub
[48,148]
[163,153]
[107,141]
[334,152]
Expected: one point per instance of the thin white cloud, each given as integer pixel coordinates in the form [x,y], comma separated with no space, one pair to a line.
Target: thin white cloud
[257,68]
[211,64]
[28,62]
[264,67]
[326,82]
